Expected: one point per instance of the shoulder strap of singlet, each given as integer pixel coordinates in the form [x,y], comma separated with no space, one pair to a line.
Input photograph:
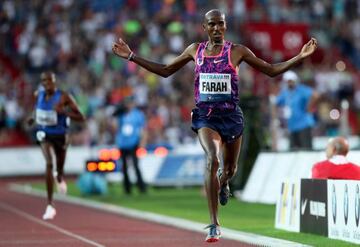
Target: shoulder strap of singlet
[227,52]
[200,49]
[227,47]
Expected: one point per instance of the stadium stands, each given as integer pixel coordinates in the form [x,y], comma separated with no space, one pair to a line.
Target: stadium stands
[74,38]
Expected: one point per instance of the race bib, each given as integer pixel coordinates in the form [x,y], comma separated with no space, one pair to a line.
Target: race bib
[46,117]
[215,87]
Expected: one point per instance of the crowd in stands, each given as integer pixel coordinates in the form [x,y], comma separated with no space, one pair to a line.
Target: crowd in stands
[73,38]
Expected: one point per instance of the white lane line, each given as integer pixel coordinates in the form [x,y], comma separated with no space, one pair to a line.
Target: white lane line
[38,242]
[244,237]
[7,207]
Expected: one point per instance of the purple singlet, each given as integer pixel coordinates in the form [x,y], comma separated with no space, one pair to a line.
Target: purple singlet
[216,79]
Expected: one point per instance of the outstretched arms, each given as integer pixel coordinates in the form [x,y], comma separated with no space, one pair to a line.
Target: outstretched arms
[121,49]
[243,53]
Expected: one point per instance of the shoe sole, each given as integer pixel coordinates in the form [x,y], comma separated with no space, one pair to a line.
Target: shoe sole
[50,218]
[212,240]
[223,203]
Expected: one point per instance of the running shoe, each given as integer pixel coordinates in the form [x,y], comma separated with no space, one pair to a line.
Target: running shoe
[50,213]
[214,233]
[62,187]
[224,193]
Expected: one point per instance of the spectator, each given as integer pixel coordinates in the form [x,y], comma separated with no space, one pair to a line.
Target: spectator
[298,101]
[336,166]
[130,136]
[84,63]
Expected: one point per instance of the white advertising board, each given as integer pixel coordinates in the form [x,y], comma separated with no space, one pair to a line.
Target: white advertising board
[288,206]
[271,168]
[344,210]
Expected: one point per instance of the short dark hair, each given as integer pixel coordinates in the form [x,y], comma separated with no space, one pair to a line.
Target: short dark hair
[213,12]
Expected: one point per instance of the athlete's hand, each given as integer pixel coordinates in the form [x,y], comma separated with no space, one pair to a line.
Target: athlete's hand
[121,49]
[309,48]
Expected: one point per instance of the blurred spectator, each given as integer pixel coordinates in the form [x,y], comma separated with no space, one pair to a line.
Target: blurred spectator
[73,38]
[298,102]
[336,166]
[131,135]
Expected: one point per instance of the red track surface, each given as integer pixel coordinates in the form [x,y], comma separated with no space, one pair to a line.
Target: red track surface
[21,225]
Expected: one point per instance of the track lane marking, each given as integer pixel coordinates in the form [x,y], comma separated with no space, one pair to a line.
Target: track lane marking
[27,216]
[244,237]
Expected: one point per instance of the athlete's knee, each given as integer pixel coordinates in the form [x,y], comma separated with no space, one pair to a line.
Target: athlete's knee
[212,162]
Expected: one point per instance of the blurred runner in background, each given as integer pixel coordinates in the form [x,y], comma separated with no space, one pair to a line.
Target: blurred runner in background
[53,111]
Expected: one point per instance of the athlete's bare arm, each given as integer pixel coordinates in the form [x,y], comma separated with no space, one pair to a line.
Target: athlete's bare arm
[121,49]
[242,53]
[31,119]
[67,101]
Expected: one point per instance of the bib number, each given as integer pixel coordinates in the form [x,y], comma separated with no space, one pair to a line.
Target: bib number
[46,117]
[214,87]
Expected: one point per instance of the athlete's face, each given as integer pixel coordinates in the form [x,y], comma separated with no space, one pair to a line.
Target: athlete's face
[48,82]
[215,26]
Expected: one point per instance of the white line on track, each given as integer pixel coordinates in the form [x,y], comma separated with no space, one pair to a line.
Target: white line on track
[244,237]
[7,207]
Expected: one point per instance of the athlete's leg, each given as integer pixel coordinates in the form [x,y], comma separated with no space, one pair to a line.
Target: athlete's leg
[210,140]
[46,150]
[231,152]
[60,153]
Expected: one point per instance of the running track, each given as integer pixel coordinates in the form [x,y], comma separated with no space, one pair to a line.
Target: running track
[74,225]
